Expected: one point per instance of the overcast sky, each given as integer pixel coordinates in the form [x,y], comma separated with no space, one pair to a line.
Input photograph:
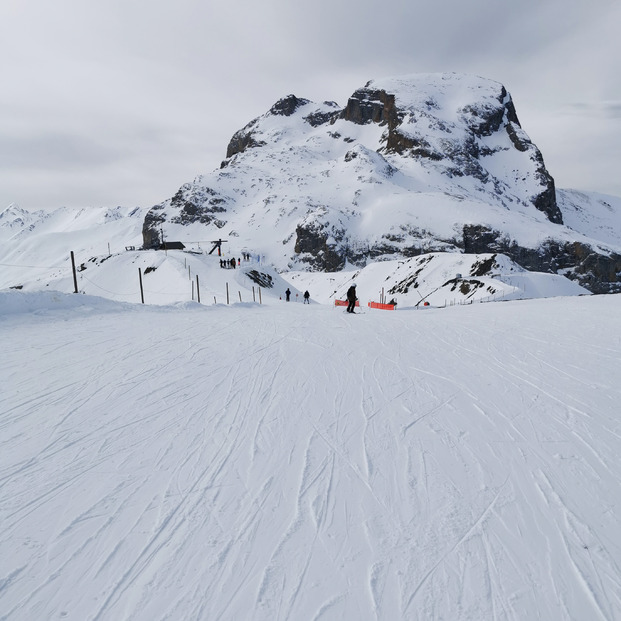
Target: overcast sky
[119,102]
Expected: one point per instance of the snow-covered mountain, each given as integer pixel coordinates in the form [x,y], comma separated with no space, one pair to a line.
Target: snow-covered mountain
[421,163]
[35,255]
[416,180]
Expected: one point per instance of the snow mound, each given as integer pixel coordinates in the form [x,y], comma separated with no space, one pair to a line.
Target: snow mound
[42,302]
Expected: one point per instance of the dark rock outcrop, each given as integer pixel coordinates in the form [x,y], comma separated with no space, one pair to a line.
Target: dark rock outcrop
[545,201]
[192,203]
[198,204]
[245,138]
[318,117]
[152,227]
[314,247]
[369,105]
[242,140]
[597,272]
[287,105]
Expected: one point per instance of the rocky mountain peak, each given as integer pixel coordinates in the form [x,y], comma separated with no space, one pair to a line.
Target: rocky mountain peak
[287,105]
[411,164]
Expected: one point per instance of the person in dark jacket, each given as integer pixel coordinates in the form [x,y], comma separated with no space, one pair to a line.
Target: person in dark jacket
[351,298]
[288,294]
[306,297]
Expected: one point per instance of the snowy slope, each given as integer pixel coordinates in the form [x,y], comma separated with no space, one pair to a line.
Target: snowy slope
[35,247]
[439,279]
[283,461]
[35,255]
[592,214]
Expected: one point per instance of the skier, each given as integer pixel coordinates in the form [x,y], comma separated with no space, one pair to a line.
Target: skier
[351,298]
[306,297]
[288,294]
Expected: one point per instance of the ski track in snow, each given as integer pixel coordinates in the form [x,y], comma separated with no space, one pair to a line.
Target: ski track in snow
[287,462]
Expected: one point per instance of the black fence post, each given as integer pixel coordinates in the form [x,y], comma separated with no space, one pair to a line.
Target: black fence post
[75,278]
[141,289]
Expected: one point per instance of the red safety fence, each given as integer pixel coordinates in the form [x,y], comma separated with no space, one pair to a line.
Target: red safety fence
[382,306]
[344,303]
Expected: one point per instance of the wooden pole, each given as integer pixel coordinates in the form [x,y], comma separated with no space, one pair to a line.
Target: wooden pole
[192,291]
[198,290]
[75,278]
[141,289]
[227,292]
[253,298]
[260,301]
[239,295]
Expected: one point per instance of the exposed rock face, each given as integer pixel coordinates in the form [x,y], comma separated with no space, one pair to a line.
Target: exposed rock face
[431,163]
[198,204]
[596,272]
[319,244]
[190,204]
[152,228]
[316,250]
[241,140]
[370,105]
[287,106]
[245,138]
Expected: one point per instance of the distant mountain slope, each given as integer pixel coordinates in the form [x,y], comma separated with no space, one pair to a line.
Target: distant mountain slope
[35,256]
[421,163]
[594,215]
[35,246]
[409,167]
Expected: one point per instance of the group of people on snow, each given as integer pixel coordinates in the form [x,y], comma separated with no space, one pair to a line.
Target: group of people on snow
[306,296]
[351,292]
[232,263]
[351,297]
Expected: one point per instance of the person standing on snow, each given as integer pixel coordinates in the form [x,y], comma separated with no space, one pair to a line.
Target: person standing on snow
[306,297]
[351,298]
[288,294]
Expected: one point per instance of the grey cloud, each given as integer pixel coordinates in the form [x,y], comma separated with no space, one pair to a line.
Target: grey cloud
[53,150]
[148,99]
[599,109]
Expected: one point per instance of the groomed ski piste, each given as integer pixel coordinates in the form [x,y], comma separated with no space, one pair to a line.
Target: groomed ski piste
[273,460]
